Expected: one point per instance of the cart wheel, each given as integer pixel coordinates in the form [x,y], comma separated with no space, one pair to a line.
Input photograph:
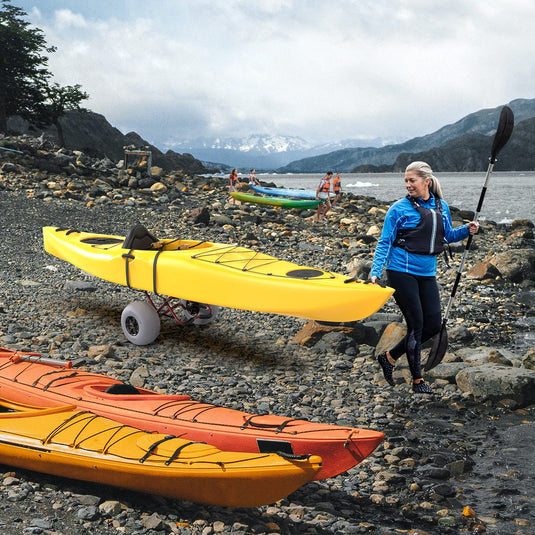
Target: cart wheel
[140,323]
[199,313]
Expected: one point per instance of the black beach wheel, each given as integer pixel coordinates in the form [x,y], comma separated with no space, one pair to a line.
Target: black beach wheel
[199,313]
[140,323]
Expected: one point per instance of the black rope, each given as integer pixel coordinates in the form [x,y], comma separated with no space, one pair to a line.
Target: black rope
[66,423]
[198,408]
[154,446]
[43,375]
[245,262]
[221,463]
[184,404]
[294,456]
[72,375]
[128,256]
[156,256]
[115,430]
[278,428]
[45,387]
[29,364]
[206,409]
[178,450]
[284,424]
[89,419]
[197,244]
[109,444]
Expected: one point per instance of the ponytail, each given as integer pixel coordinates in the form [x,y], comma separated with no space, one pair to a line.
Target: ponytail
[424,170]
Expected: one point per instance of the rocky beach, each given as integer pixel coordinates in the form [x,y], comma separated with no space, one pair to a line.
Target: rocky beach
[458,461]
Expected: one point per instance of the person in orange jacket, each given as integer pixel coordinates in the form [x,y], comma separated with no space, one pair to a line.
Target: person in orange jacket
[337,190]
[322,194]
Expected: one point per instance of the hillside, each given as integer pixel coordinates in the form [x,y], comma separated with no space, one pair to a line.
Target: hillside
[476,126]
[471,152]
[91,133]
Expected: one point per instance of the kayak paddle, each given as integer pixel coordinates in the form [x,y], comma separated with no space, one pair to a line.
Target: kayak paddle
[503,133]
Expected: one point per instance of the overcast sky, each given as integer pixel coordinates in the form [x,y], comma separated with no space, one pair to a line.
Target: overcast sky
[323,70]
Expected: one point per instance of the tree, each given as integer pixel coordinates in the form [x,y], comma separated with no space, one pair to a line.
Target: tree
[58,101]
[23,66]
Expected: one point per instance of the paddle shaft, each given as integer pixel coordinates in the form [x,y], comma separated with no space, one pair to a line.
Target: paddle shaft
[468,243]
[503,133]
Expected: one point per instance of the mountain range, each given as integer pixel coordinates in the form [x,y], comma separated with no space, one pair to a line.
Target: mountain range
[263,152]
[444,149]
[461,146]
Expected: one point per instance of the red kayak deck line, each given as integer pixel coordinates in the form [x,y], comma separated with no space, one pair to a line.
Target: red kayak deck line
[30,378]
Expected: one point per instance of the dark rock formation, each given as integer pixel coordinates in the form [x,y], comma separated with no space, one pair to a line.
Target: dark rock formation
[91,133]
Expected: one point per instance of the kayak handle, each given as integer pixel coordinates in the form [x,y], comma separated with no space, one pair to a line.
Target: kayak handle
[36,357]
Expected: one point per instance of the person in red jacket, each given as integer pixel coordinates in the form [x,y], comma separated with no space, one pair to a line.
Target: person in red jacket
[322,194]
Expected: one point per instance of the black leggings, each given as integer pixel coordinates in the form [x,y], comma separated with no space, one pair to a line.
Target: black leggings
[419,301]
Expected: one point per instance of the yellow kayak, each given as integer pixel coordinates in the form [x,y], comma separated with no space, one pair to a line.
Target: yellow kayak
[223,274]
[81,445]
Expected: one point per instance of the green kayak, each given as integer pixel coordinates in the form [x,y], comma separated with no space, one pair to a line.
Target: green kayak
[302,204]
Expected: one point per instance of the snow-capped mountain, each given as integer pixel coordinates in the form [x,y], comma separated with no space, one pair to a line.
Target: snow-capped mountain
[354,143]
[261,144]
[261,151]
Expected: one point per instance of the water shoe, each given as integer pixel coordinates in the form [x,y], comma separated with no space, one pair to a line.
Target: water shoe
[387,369]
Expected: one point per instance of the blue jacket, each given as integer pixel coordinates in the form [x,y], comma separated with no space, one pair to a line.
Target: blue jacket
[402,215]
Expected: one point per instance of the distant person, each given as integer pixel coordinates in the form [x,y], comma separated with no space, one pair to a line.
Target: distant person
[233,183]
[337,190]
[322,194]
[253,181]
[414,232]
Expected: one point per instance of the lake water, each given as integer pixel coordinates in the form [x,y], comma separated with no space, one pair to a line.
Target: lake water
[509,195]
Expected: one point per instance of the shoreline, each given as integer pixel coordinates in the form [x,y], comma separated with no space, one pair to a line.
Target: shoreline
[442,454]
[460,189]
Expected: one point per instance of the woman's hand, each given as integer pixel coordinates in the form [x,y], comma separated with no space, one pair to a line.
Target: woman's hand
[473,227]
[374,279]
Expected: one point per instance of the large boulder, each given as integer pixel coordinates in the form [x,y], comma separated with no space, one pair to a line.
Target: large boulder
[516,264]
[393,334]
[477,356]
[495,382]
[313,332]
[447,371]
[482,271]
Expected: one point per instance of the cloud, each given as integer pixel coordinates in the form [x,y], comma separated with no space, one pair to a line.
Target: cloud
[64,18]
[320,70]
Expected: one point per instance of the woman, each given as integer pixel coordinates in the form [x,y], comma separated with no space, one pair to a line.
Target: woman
[414,232]
[253,181]
[322,193]
[233,183]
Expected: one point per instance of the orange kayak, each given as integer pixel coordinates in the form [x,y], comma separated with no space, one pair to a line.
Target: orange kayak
[30,378]
[64,441]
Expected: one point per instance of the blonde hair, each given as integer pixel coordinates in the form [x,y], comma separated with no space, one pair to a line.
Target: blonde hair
[424,170]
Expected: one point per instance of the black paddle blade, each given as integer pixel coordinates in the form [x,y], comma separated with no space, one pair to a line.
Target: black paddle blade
[503,132]
[438,350]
